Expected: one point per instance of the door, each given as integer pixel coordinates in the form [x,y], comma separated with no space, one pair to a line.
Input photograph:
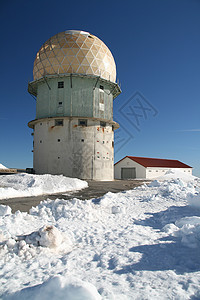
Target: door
[128,173]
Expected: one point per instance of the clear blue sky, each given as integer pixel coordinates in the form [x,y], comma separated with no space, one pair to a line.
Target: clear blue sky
[156,46]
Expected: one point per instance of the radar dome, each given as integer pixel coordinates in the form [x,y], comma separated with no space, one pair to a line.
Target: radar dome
[77,52]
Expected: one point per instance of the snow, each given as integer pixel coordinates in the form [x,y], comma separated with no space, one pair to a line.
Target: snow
[194,200]
[5,210]
[25,185]
[2,167]
[138,244]
[176,173]
[58,288]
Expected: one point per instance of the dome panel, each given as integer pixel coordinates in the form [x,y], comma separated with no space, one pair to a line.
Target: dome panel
[62,42]
[51,54]
[75,68]
[60,58]
[80,58]
[70,58]
[76,46]
[89,55]
[79,43]
[75,61]
[74,51]
[65,61]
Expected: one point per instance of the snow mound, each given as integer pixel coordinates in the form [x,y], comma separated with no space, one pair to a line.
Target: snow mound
[30,245]
[5,210]
[189,231]
[154,183]
[47,236]
[192,221]
[2,167]
[50,237]
[59,288]
[175,174]
[25,185]
[194,200]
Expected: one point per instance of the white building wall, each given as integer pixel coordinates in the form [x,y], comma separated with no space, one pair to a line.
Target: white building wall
[152,173]
[84,152]
[128,163]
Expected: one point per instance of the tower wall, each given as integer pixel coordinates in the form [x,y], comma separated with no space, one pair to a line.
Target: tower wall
[72,149]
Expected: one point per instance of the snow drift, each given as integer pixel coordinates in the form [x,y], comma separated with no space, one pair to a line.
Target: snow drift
[25,185]
[59,288]
[2,167]
[137,244]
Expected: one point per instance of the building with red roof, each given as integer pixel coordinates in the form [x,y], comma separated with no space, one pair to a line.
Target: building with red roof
[133,167]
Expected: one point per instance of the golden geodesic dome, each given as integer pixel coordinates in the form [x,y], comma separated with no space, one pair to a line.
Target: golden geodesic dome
[77,52]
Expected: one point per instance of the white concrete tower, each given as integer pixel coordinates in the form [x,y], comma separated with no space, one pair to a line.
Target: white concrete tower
[74,82]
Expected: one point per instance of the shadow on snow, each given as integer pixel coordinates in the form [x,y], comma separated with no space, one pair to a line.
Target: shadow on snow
[172,255]
[171,215]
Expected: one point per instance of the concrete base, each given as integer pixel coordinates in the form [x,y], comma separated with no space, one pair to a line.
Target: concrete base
[79,148]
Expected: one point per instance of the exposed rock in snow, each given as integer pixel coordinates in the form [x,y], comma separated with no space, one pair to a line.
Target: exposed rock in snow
[47,236]
[50,237]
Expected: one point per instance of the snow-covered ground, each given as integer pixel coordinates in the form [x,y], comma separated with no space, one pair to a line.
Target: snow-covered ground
[138,244]
[2,167]
[25,185]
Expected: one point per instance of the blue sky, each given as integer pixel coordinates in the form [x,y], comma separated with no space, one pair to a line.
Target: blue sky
[156,46]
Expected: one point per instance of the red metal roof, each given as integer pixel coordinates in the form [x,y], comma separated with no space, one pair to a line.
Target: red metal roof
[157,162]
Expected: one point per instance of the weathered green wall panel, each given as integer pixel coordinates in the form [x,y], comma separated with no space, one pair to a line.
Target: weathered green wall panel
[79,97]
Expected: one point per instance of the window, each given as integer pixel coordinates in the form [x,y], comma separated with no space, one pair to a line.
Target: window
[40,142]
[60,84]
[82,140]
[101,100]
[82,122]
[102,124]
[58,122]
[101,87]
[59,103]
[40,123]
[101,97]
[58,140]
